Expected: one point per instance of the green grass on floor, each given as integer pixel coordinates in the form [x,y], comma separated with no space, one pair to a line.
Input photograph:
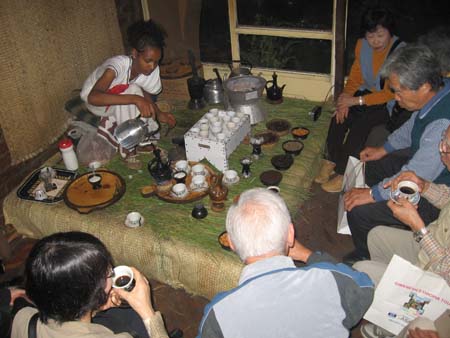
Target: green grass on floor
[174,220]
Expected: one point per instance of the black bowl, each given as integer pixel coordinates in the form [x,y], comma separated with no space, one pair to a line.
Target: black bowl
[271,177]
[293,147]
[300,132]
[282,162]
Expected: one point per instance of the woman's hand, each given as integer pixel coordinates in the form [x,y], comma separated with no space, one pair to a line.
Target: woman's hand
[164,117]
[408,176]
[407,213]
[145,107]
[139,297]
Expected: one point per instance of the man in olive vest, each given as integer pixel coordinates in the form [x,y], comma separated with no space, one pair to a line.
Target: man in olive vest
[415,78]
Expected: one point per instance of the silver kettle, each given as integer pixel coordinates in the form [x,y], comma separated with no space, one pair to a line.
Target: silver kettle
[132,132]
[213,90]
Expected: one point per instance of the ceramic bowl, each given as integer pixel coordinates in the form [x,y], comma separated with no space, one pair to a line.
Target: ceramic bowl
[300,132]
[282,162]
[271,177]
[293,147]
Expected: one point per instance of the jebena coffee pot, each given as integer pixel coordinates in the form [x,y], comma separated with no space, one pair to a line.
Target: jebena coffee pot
[159,169]
[274,92]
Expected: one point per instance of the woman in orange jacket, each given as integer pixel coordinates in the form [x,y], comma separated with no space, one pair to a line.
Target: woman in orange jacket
[366,99]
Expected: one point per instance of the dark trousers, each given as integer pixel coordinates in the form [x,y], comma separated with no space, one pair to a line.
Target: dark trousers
[349,138]
[365,217]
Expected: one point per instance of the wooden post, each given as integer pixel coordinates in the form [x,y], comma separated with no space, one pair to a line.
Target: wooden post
[340,46]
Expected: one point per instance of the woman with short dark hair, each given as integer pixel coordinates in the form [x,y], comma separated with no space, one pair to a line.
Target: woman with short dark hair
[69,279]
[366,100]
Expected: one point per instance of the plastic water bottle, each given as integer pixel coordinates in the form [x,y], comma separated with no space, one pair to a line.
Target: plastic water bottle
[68,154]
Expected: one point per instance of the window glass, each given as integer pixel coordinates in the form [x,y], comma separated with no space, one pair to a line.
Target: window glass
[306,55]
[215,32]
[305,14]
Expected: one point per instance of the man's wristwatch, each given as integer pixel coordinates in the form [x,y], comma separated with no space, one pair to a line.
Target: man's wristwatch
[418,235]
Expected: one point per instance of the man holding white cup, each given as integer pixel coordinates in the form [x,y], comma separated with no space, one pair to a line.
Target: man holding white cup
[427,246]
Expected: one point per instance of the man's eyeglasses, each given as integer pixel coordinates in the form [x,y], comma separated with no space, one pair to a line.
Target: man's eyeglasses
[444,145]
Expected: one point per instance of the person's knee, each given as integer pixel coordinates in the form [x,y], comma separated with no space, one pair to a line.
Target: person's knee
[374,237]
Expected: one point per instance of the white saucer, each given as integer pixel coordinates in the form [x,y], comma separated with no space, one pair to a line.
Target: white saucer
[127,223]
[231,182]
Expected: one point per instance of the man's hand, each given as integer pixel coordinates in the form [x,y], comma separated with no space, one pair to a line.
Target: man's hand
[341,114]
[357,196]
[372,154]
[418,333]
[299,252]
[408,176]
[139,297]
[407,213]
[145,107]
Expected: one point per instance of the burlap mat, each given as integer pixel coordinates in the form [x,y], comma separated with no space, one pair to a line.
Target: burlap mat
[48,49]
[173,247]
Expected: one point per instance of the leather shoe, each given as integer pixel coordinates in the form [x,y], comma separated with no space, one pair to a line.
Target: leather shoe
[353,257]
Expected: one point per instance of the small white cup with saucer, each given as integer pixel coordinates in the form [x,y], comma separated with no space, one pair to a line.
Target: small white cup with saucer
[134,220]
[230,177]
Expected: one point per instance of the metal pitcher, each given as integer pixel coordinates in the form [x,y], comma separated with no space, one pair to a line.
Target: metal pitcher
[132,132]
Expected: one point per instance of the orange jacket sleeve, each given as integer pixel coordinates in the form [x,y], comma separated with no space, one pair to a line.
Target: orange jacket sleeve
[355,79]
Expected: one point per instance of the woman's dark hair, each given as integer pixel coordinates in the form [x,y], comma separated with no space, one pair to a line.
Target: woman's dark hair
[142,34]
[377,16]
[66,275]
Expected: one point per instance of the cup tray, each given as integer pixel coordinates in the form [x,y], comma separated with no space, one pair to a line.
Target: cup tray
[165,192]
[33,182]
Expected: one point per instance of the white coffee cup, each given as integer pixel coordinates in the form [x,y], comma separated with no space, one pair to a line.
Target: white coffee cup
[198,181]
[134,219]
[222,113]
[231,125]
[208,115]
[214,111]
[408,190]
[230,175]
[181,165]
[204,133]
[213,119]
[179,189]
[198,169]
[220,136]
[216,130]
[204,126]
[40,195]
[217,124]
[274,188]
[123,278]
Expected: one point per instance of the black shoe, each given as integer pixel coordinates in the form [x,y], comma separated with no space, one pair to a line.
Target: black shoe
[353,257]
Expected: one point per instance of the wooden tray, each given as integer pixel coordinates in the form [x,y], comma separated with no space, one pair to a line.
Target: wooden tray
[80,195]
[164,192]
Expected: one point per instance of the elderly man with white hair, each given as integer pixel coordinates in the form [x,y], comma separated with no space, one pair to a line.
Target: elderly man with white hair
[274,298]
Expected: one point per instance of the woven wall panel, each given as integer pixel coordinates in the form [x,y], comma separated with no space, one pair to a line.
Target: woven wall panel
[47,50]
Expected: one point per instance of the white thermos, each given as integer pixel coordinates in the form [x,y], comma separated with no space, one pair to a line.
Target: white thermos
[68,154]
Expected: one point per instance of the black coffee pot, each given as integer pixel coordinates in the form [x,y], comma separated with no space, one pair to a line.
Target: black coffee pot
[274,92]
[159,169]
[196,84]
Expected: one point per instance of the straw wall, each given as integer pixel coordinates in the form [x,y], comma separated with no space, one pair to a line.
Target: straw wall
[47,50]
